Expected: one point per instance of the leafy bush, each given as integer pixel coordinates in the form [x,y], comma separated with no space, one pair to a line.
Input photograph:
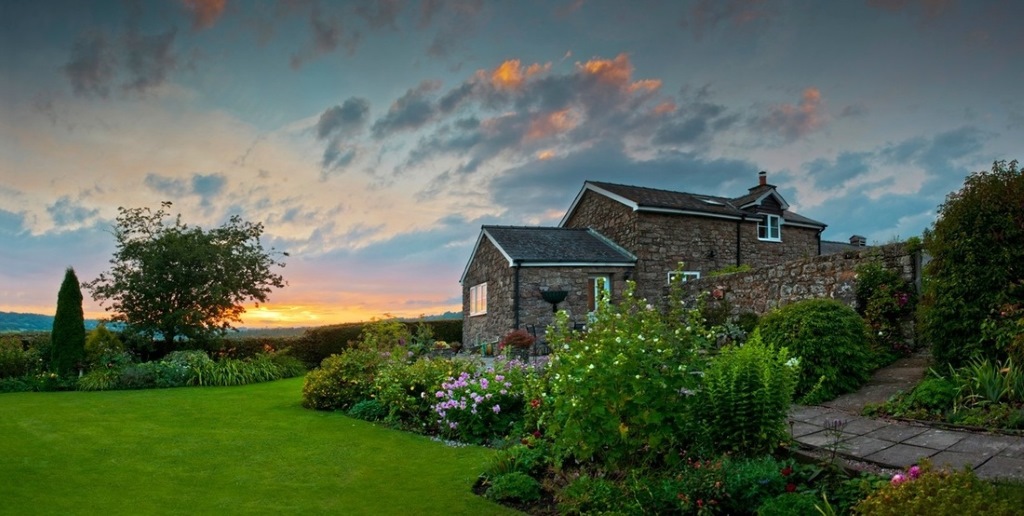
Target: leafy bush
[886,302]
[14,360]
[975,275]
[831,342]
[619,391]
[937,492]
[368,410]
[521,458]
[407,391]
[749,483]
[743,403]
[100,343]
[933,393]
[229,371]
[589,495]
[100,379]
[514,486]
[788,504]
[342,380]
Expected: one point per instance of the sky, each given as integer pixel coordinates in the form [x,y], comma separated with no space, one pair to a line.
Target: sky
[373,139]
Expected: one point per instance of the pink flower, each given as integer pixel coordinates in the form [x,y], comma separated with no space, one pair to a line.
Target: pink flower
[898,479]
[914,472]
[496,409]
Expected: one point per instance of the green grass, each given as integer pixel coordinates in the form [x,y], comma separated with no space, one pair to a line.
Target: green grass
[220,450]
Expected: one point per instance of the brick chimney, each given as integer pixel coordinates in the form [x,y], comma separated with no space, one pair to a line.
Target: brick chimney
[858,241]
[762,178]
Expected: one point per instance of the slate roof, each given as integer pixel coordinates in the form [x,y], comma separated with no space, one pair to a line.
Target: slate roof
[548,245]
[653,199]
[833,247]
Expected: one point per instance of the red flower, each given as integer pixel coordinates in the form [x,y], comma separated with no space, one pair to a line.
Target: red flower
[536,433]
[700,503]
[787,471]
[790,487]
[535,403]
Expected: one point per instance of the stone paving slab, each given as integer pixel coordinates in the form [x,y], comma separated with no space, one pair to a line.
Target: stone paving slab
[936,439]
[1014,450]
[901,455]
[1001,467]
[862,446]
[824,439]
[863,425]
[896,433]
[987,445]
[800,429]
[957,460]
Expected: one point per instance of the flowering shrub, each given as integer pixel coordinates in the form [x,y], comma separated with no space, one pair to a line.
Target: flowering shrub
[885,301]
[477,407]
[925,490]
[620,391]
[517,339]
[342,380]
[406,391]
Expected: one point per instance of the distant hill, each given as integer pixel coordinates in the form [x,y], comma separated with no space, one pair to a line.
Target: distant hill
[18,322]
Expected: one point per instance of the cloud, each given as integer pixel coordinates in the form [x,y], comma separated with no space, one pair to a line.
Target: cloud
[349,116]
[149,59]
[91,66]
[166,185]
[380,13]
[410,111]
[204,12]
[67,214]
[833,173]
[929,9]
[706,15]
[854,110]
[796,121]
[327,33]
[206,187]
[460,21]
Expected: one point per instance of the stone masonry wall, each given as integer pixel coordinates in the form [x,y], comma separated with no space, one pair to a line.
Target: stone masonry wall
[833,276]
[488,266]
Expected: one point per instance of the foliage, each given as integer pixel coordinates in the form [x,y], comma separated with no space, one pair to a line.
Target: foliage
[480,406]
[384,334]
[730,269]
[528,459]
[788,504]
[100,343]
[68,336]
[926,490]
[14,360]
[518,339]
[100,379]
[749,482]
[977,267]
[589,495]
[316,344]
[407,391]
[745,397]
[831,342]
[368,410]
[514,486]
[885,301]
[171,279]
[342,380]
[619,391]
[229,371]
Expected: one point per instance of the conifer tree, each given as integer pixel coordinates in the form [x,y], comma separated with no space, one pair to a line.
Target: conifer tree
[67,341]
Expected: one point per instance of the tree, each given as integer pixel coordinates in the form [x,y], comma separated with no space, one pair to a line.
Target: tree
[174,280]
[67,341]
[974,288]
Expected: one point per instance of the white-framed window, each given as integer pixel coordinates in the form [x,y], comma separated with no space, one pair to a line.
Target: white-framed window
[770,228]
[683,276]
[478,299]
[596,287]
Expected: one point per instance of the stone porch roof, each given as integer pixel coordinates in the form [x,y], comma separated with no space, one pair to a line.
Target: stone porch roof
[554,247]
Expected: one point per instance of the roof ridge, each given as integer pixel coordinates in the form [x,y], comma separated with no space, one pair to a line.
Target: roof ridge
[650,188]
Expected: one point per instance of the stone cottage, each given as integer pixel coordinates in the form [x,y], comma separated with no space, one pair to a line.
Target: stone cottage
[612,233]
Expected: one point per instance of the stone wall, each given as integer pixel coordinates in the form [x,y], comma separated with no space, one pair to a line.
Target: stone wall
[834,276]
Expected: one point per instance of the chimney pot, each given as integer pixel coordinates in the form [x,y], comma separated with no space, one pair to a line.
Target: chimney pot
[762,178]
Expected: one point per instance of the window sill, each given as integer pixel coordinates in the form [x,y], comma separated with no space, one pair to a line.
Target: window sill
[769,239]
[474,314]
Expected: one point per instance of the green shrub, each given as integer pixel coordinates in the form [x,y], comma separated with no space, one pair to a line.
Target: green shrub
[886,302]
[68,335]
[481,406]
[342,380]
[524,459]
[828,338]
[368,410]
[100,379]
[138,376]
[14,360]
[407,391]
[788,504]
[743,403]
[515,486]
[229,372]
[101,342]
[749,483]
[936,492]
[974,284]
[934,393]
[287,365]
[317,344]
[589,495]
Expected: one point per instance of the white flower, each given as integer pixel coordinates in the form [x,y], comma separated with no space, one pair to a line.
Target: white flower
[793,362]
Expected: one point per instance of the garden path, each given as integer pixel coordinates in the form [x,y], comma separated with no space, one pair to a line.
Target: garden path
[900,444]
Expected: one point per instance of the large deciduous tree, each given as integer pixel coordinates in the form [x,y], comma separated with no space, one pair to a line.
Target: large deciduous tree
[973,304]
[174,280]
[67,340]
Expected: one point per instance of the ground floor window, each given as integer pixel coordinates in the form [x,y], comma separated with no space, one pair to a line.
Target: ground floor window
[683,276]
[770,228]
[596,287]
[478,299]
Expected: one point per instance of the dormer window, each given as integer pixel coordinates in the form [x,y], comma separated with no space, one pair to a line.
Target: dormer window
[770,228]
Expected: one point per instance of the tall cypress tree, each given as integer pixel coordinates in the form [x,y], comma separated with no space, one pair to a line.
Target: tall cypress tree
[67,341]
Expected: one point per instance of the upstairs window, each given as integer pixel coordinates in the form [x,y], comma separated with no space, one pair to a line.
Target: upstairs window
[770,228]
[675,276]
[478,299]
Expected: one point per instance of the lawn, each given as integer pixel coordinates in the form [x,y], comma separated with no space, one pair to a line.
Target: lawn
[241,450]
